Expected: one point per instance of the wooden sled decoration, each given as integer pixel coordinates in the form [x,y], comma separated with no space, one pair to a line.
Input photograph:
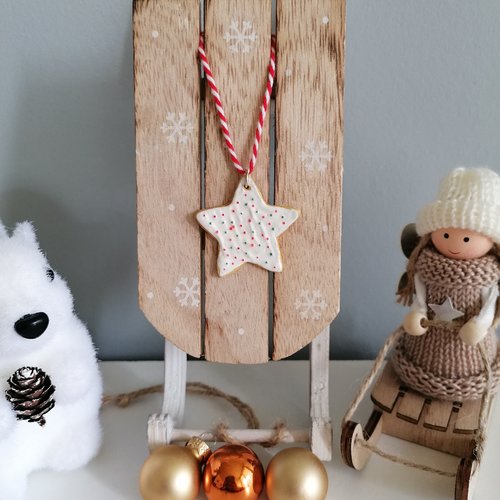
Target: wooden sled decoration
[250,315]
[447,426]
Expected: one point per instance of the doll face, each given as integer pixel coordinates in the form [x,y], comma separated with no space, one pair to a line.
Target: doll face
[461,243]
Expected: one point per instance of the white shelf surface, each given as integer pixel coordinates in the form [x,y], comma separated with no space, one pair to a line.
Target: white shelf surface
[275,390]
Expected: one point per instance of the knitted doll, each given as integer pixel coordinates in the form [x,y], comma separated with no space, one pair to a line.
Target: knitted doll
[453,277]
[50,385]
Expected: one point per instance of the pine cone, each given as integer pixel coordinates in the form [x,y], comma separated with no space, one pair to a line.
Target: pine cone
[31,394]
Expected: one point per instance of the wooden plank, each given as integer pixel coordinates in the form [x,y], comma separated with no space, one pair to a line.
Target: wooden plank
[168,169]
[308,170]
[387,389]
[236,307]
[468,417]
[438,415]
[411,406]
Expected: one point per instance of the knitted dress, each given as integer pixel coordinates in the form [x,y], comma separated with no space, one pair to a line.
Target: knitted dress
[438,363]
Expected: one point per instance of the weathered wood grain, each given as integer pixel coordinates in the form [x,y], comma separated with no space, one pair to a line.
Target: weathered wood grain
[309,120]
[236,308]
[168,168]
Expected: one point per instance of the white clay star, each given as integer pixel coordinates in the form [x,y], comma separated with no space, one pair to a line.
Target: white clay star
[246,229]
[446,311]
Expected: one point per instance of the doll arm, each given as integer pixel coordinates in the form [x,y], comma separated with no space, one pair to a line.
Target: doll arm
[477,327]
[413,320]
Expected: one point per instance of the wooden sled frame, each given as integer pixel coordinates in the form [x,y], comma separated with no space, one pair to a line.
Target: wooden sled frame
[162,427]
[446,426]
[182,167]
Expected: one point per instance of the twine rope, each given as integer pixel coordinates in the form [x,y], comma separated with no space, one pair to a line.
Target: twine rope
[222,115]
[221,432]
[402,461]
[369,378]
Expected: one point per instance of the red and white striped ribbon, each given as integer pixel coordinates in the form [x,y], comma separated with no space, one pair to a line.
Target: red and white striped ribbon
[222,116]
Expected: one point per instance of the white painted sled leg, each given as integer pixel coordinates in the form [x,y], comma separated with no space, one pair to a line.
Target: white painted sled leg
[321,424]
[161,425]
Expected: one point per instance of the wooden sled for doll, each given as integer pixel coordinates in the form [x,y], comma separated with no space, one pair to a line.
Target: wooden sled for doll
[251,315]
[447,426]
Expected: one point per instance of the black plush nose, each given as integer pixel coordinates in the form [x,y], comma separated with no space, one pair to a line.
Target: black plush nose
[32,326]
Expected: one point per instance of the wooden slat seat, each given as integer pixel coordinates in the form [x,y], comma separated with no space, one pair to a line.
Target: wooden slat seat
[438,415]
[411,406]
[468,417]
[387,389]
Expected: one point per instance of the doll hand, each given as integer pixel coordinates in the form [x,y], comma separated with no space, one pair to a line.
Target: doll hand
[413,323]
[472,332]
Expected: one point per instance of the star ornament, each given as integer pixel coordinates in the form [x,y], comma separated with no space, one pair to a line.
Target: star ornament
[446,311]
[247,229]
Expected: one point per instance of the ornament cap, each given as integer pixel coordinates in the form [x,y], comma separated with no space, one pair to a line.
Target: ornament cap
[200,449]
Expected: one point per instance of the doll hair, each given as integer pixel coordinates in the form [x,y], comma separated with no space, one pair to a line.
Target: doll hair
[407,290]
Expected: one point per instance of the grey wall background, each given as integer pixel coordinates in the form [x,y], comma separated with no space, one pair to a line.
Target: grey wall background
[422,96]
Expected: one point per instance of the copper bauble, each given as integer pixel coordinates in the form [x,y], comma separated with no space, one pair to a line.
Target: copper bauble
[170,473]
[296,474]
[233,472]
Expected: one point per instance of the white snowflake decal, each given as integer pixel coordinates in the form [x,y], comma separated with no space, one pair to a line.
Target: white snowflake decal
[240,40]
[315,156]
[310,304]
[187,292]
[177,127]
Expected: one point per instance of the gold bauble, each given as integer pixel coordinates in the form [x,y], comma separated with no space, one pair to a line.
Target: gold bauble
[200,449]
[170,473]
[233,472]
[296,474]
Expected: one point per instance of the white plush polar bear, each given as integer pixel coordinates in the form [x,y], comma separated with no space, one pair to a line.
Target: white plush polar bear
[50,384]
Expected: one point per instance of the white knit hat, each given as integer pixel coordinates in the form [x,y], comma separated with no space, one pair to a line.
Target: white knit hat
[467,199]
